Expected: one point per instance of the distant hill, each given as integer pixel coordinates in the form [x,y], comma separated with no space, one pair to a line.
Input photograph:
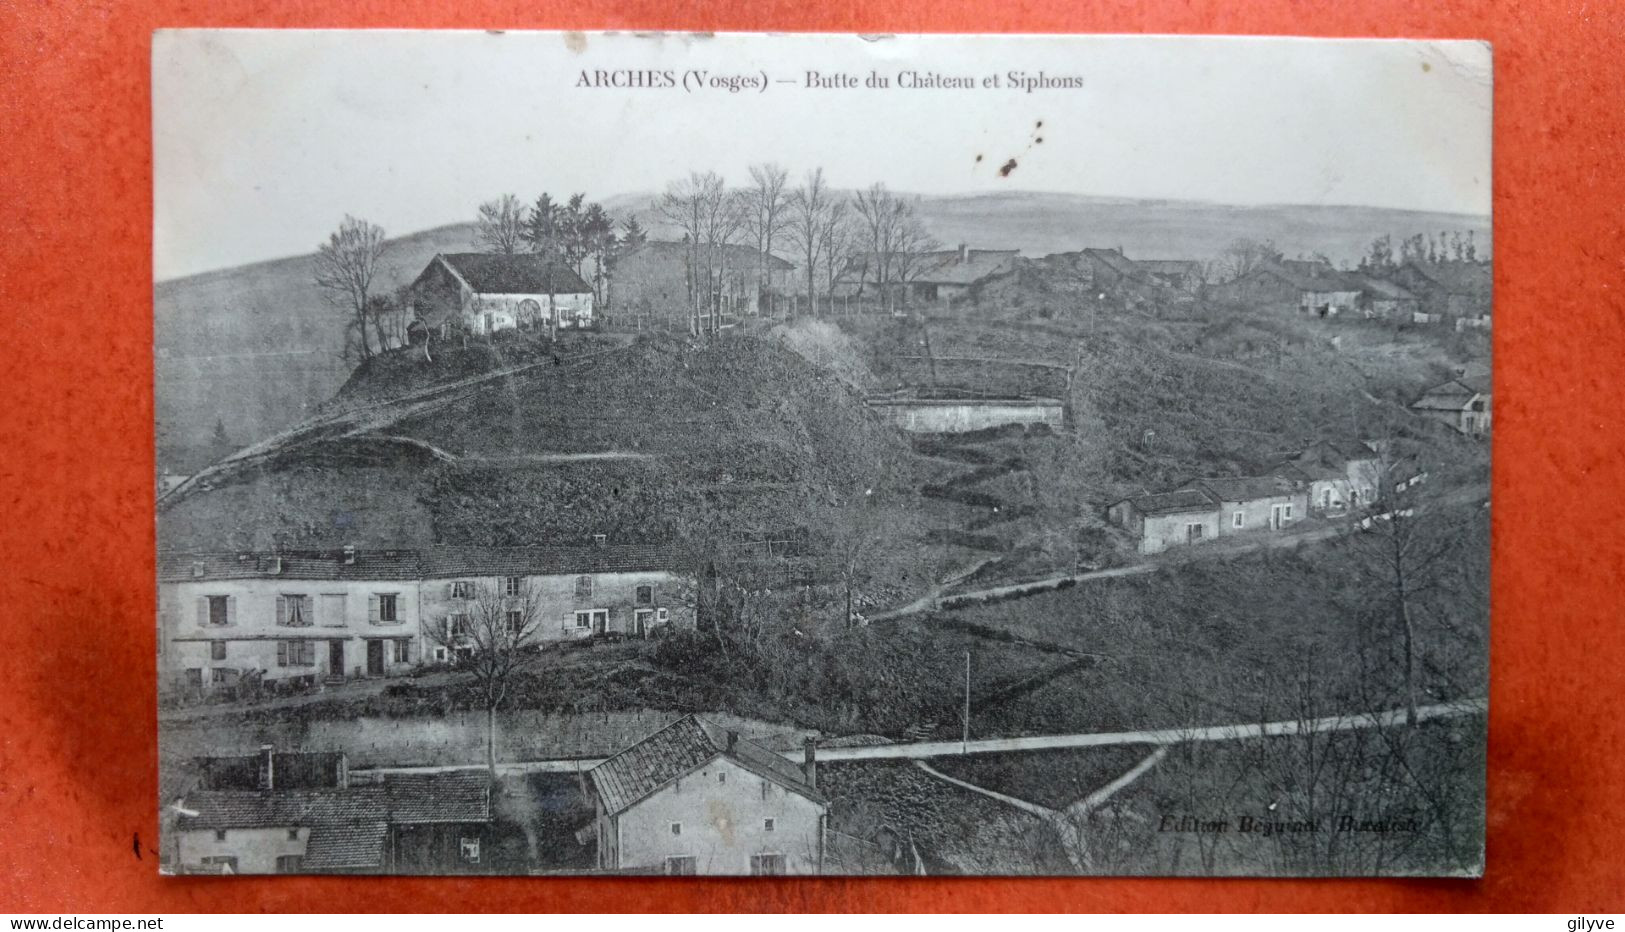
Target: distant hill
[257,347]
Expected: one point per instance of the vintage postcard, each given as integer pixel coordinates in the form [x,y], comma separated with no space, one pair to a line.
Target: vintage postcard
[811,454]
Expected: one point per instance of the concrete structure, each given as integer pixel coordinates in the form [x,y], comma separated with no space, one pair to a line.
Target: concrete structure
[483,293]
[657,282]
[909,410]
[406,823]
[1463,407]
[693,798]
[1168,519]
[1340,476]
[227,619]
[1247,505]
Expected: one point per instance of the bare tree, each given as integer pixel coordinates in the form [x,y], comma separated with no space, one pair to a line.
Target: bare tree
[500,227]
[912,244]
[687,203]
[1244,255]
[768,213]
[493,638]
[837,236]
[880,214]
[810,209]
[345,267]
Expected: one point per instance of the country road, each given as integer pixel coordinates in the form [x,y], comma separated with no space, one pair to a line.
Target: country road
[923,750]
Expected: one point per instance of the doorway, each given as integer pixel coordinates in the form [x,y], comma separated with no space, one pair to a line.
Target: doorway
[335,658]
[642,620]
[600,621]
[375,658]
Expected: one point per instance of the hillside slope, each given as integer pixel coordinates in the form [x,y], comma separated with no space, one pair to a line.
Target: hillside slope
[257,347]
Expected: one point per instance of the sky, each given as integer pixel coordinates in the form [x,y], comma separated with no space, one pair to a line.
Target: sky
[264,140]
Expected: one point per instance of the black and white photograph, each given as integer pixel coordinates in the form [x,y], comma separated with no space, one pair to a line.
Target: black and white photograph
[806,454]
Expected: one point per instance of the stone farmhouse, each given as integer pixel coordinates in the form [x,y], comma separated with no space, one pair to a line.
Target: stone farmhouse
[694,798]
[1456,291]
[310,617]
[298,813]
[1340,476]
[481,293]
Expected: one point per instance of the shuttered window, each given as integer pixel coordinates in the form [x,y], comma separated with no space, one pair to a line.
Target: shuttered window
[215,610]
[403,650]
[332,612]
[296,653]
[583,588]
[293,611]
[383,608]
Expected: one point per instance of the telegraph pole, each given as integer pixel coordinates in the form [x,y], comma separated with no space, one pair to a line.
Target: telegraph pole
[964,741]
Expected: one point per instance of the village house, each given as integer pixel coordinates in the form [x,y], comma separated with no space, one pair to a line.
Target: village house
[311,617]
[1306,286]
[1168,519]
[1458,404]
[1179,274]
[481,293]
[299,616]
[942,276]
[1340,475]
[1255,503]
[693,798]
[1384,300]
[1457,290]
[279,813]
[655,282]
[604,589]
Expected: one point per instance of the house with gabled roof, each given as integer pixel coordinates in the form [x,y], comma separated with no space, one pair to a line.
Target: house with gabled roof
[1183,274]
[1255,503]
[694,798]
[1341,475]
[1161,520]
[1457,403]
[940,275]
[321,823]
[1457,290]
[476,292]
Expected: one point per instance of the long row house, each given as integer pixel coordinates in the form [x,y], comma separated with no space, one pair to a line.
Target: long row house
[1328,479]
[308,617]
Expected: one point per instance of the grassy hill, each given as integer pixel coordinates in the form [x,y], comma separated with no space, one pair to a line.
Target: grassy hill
[258,348]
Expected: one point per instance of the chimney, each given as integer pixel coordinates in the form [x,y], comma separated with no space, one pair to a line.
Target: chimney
[809,761]
[349,554]
[598,540]
[733,741]
[964,253]
[267,767]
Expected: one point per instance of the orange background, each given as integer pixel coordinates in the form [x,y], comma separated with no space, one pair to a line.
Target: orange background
[77,706]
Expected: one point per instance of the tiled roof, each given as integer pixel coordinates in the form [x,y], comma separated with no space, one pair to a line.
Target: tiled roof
[1463,278]
[1114,260]
[176,566]
[1306,275]
[1169,266]
[942,267]
[452,796]
[1246,489]
[1326,459]
[346,846]
[439,562]
[450,562]
[679,749]
[1450,396]
[738,256]
[1181,500]
[493,273]
[1383,288]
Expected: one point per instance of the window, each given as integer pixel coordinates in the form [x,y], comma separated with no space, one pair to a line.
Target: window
[1194,531]
[462,625]
[227,865]
[681,866]
[1239,519]
[583,619]
[677,828]
[403,650]
[293,834]
[469,850]
[583,588]
[219,834]
[219,610]
[516,623]
[646,595]
[767,865]
[462,589]
[387,608]
[1286,511]
[289,863]
[217,650]
[297,653]
[722,778]
[514,585]
[767,825]
[219,676]
[293,611]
